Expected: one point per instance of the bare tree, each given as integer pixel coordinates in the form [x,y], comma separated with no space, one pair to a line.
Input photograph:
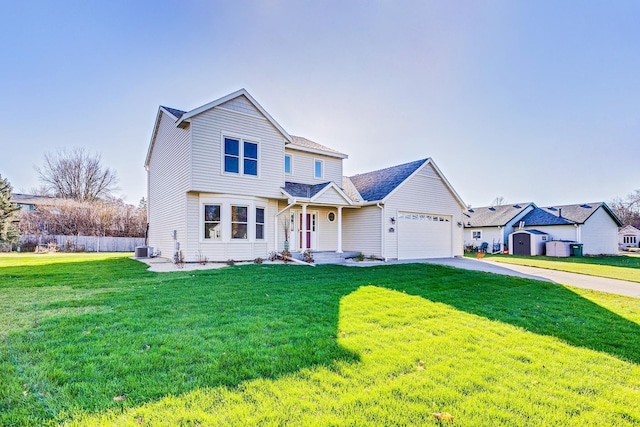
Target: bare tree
[77,174]
[499,201]
[628,209]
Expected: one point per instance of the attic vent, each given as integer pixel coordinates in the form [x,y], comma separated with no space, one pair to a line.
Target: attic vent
[553,209]
[471,210]
[585,206]
[492,208]
[517,206]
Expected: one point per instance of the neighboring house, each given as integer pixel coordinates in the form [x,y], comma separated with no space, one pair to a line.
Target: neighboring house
[226,181]
[592,224]
[30,202]
[493,224]
[628,237]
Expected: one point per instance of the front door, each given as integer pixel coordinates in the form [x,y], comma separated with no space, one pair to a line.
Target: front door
[306,240]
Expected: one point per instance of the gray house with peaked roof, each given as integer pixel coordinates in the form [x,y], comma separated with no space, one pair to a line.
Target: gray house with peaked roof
[592,224]
[226,181]
[493,224]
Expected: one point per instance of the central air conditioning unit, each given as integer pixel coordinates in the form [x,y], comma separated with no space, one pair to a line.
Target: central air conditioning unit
[143,251]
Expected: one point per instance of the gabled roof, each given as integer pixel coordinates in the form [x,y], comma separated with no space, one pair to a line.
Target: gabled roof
[312,192]
[567,214]
[376,185]
[307,191]
[242,92]
[32,199]
[174,112]
[493,216]
[180,116]
[630,229]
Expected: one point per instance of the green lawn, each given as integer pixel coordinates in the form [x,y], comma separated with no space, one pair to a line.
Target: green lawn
[293,345]
[622,267]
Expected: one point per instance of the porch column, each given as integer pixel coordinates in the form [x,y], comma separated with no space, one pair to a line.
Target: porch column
[339,251]
[303,228]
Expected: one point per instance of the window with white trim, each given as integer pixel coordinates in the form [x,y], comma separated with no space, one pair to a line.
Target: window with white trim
[317,168]
[259,223]
[288,163]
[629,240]
[240,156]
[212,222]
[477,234]
[239,222]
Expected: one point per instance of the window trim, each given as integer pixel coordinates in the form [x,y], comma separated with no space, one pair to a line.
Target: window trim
[321,162]
[204,222]
[242,139]
[290,164]
[263,223]
[231,222]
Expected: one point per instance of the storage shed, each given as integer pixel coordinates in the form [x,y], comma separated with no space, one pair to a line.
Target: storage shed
[559,248]
[527,242]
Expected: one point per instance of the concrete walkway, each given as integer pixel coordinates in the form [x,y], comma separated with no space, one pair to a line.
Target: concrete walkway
[612,286]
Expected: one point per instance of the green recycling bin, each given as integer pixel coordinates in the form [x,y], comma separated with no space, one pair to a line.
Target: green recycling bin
[576,249]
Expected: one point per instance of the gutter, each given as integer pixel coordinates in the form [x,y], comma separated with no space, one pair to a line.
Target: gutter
[381,231]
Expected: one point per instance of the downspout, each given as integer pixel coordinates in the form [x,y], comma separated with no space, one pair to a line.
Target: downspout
[381,231]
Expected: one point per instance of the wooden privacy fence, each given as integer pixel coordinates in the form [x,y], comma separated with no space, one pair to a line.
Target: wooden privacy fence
[83,243]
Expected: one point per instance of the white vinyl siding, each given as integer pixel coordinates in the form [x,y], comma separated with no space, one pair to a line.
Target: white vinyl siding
[168,181]
[303,168]
[428,194]
[361,230]
[208,130]
[599,234]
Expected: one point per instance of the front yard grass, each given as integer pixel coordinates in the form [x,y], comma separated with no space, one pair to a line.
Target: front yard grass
[621,267]
[104,342]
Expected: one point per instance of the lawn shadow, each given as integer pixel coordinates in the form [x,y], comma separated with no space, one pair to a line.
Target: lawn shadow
[537,306]
[182,332]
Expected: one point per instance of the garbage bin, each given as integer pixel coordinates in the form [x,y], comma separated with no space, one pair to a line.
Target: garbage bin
[576,249]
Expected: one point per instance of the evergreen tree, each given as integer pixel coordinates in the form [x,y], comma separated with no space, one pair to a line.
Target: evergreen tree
[9,232]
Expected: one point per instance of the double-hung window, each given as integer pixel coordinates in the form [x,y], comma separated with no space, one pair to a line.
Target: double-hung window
[212,222]
[239,222]
[477,234]
[240,156]
[259,223]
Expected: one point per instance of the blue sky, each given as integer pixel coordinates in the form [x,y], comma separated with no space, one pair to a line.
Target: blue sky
[528,100]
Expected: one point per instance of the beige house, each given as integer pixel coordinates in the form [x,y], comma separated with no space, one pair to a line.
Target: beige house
[226,181]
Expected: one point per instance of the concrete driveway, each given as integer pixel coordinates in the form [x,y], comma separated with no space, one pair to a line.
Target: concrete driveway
[613,286]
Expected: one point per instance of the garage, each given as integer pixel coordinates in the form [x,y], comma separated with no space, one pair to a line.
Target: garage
[423,235]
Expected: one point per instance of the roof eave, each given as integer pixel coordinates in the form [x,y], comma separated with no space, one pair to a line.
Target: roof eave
[292,146]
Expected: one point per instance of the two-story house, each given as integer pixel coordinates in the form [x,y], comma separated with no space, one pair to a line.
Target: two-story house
[226,181]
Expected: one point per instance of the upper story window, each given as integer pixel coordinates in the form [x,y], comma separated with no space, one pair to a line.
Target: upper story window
[317,168]
[240,156]
[287,164]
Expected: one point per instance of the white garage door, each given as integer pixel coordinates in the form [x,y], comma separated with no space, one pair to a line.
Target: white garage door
[422,235]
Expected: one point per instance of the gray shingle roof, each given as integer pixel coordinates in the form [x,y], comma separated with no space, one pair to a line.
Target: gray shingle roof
[566,214]
[377,185]
[540,216]
[304,142]
[303,190]
[493,216]
[174,111]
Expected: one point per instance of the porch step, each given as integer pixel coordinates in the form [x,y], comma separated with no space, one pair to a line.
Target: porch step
[328,257]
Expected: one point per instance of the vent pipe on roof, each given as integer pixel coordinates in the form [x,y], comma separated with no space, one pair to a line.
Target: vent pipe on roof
[521,225]
[560,213]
